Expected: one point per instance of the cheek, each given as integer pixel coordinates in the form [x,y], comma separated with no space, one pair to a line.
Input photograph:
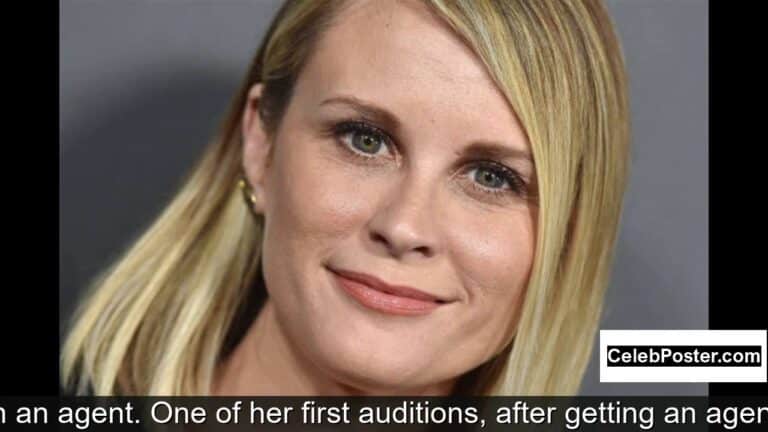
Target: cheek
[494,255]
[310,200]
[494,249]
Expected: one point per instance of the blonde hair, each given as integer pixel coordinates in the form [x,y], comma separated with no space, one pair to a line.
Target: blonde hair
[160,319]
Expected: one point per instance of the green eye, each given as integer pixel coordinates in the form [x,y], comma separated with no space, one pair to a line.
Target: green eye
[489,178]
[367,142]
[362,139]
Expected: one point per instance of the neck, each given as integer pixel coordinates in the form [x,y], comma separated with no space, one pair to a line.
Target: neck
[265,363]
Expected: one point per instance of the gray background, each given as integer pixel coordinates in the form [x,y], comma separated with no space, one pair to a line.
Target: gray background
[143,85]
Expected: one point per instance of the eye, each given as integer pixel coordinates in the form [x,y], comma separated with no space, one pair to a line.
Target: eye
[495,178]
[363,139]
[489,178]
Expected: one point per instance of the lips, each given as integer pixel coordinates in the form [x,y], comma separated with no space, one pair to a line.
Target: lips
[376,294]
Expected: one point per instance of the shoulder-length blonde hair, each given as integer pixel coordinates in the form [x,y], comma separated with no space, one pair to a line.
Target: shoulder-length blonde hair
[159,320]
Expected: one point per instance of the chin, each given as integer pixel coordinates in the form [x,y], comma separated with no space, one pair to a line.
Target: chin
[369,351]
[376,359]
[364,368]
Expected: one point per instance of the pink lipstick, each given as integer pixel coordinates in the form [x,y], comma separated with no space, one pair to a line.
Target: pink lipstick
[375,294]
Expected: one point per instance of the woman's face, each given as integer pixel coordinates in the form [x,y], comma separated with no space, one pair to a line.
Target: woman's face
[397,162]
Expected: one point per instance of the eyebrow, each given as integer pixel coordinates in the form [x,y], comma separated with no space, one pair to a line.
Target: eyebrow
[367,110]
[494,150]
[480,148]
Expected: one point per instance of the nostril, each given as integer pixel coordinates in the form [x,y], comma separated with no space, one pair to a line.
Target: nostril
[378,237]
[424,250]
[401,241]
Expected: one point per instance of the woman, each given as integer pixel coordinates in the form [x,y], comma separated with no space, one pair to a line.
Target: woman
[433,190]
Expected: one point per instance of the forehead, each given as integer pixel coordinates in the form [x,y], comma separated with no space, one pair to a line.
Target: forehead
[399,55]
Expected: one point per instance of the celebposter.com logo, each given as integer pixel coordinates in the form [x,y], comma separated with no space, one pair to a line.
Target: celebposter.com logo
[683,355]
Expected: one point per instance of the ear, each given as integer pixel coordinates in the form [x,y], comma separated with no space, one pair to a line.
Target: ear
[256,147]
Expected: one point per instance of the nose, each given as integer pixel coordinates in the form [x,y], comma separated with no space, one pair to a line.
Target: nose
[405,224]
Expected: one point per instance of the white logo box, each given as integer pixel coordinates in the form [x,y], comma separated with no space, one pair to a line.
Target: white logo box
[693,374]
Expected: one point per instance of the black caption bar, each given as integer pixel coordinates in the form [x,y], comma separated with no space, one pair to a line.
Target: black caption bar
[684,355]
[496,414]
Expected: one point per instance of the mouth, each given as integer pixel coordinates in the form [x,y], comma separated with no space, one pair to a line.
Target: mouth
[378,295]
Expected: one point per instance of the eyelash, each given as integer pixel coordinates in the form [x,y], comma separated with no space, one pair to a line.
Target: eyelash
[516,185]
[361,127]
[508,175]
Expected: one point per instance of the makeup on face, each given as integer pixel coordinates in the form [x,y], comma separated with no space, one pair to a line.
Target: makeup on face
[399,206]
[371,292]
